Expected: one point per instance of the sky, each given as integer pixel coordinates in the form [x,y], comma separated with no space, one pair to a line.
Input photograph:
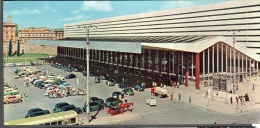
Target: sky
[54,14]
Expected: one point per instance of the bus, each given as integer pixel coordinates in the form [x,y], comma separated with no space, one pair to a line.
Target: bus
[61,118]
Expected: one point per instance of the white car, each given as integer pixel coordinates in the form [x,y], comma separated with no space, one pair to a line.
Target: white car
[151,101]
[61,77]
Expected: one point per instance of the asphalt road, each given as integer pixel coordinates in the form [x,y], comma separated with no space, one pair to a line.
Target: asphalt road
[166,111]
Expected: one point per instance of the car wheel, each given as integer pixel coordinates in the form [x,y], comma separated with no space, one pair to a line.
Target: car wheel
[80,112]
[15,101]
[7,102]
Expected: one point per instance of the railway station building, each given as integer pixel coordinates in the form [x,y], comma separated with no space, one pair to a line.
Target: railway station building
[187,45]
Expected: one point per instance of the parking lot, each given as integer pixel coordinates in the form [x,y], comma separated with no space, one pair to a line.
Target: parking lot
[166,111]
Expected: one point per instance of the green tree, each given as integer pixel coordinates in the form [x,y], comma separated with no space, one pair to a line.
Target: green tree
[10,48]
[18,49]
[16,30]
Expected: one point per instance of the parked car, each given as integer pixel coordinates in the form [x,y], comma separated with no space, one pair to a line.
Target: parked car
[96,99]
[97,80]
[74,69]
[12,99]
[151,101]
[123,85]
[70,76]
[128,91]
[61,77]
[36,112]
[17,94]
[116,95]
[112,101]
[9,90]
[71,107]
[138,88]
[102,77]
[58,106]
[93,106]
[111,82]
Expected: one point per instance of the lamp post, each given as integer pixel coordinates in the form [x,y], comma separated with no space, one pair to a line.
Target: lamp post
[26,53]
[87,27]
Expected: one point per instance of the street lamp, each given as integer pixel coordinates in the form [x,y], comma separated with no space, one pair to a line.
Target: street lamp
[26,53]
[234,57]
[88,27]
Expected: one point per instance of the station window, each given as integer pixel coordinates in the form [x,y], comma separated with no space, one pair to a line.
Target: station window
[59,122]
[73,120]
[47,124]
[54,123]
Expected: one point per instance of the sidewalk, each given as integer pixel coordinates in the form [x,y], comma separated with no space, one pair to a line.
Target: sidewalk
[218,104]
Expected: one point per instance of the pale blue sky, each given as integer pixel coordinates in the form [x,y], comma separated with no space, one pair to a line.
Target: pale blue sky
[54,14]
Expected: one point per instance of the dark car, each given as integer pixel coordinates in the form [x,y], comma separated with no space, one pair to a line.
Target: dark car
[74,69]
[85,73]
[102,77]
[97,80]
[96,99]
[138,88]
[116,95]
[123,85]
[128,91]
[70,76]
[58,106]
[93,106]
[112,101]
[36,112]
[71,107]
[111,82]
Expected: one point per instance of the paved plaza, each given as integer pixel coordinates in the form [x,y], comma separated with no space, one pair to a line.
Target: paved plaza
[201,110]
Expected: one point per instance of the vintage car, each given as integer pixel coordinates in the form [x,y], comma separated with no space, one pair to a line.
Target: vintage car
[17,94]
[96,99]
[117,95]
[151,101]
[123,85]
[138,88]
[93,106]
[111,82]
[102,77]
[71,107]
[97,80]
[61,77]
[58,106]
[112,101]
[12,99]
[16,76]
[9,90]
[36,112]
[71,76]
[128,91]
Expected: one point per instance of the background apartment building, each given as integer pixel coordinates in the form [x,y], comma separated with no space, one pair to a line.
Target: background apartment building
[42,33]
[8,33]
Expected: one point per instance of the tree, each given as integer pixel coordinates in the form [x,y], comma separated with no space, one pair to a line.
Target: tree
[16,30]
[18,49]
[10,48]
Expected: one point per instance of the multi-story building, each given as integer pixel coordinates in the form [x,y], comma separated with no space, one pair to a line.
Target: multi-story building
[43,33]
[8,33]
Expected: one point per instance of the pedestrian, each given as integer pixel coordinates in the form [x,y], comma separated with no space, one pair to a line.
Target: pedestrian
[24,93]
[125,99]
[231,100]
[237,87]
[179,96]
[190,98]
[253,87]
[171,96]
[206,95]
[24,83]
[236,99]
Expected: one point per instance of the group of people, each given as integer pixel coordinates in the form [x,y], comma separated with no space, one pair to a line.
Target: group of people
[241,99]
[179,96]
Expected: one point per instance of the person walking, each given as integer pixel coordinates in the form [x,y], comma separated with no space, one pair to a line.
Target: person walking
[171,96]
[231,100]
[24,93]
[237,87]
[253,87]
[179,96]
[125,99]
[190,98]
[236,99]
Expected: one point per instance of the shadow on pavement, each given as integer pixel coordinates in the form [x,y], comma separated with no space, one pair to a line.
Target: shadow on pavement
[94,116]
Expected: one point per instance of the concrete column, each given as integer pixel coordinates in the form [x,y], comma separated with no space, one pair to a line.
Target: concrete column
[222,57]
[203,65]
[226,58]
[250,63]
[177,65]
[246,68]
[197,74]
[238,61]
[257,70]
[217,58]
[242,63]
[168,65]
[213,71]
[187,69]
[192,64]
[230,61]
[160,61]
[173,62]
[182,63]
[153,62]
[208,62]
